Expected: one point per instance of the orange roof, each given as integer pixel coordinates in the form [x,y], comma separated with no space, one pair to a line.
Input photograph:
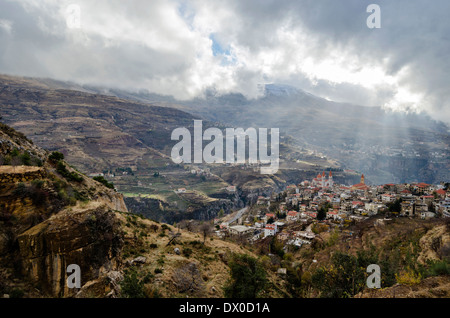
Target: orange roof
[360,186]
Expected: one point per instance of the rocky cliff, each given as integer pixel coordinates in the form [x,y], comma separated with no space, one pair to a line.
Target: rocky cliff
[87,238]
[52,216]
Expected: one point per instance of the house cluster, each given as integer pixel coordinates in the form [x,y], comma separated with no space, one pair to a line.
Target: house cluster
[201,172]
[322,200]
[360,200]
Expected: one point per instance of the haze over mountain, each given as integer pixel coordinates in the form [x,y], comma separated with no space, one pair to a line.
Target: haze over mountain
[183,48]
[387,146]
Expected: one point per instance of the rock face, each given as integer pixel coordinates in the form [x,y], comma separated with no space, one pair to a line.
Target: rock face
[87,238]
[21,174]
[50,220]
[113,200]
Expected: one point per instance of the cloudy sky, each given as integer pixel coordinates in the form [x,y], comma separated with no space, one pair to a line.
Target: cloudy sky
[183,47]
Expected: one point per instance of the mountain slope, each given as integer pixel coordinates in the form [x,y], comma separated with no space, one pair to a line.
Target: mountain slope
[386,146]
[130,143]
[51,216]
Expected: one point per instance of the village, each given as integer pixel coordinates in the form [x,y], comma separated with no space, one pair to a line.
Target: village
[296,215]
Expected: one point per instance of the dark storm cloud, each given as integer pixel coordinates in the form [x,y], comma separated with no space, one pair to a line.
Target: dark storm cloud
[166,47]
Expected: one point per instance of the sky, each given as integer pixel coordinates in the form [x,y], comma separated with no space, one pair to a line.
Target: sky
[184,48]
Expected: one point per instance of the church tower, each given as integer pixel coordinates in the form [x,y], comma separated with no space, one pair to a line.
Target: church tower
[362,179]
[330,179]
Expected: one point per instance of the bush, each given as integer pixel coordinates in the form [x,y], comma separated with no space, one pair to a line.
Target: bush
[187,252]
[438,268]
[26,159]
[408,277]
[70,176]
[345,278]
[248,277]
[105,182]
[56,156]
[131,286]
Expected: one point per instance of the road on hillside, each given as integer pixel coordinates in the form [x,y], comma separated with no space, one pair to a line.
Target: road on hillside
[238,215]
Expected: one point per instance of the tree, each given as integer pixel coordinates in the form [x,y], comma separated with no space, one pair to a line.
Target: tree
[15,161]
[205,229]
[26,159]
[395,206]
[187,279]
[344,279]
[248,277]
[273,207]
[187,224]
[56,156]
[321,214]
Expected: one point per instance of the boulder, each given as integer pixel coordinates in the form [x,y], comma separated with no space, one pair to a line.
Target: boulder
[87,238]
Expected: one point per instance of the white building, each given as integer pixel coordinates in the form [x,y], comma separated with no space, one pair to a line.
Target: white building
[270,230]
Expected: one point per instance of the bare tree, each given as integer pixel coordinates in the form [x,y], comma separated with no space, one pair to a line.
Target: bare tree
[187,224]
[205,229]
[15,161]
[187,279]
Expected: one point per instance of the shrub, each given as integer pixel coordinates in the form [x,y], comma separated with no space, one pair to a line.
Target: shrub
[131,286]
[438,268]
[56,156]
[343,279]
[105,182]
[248,277]
[26,159]
[15,152]
[187,252]
[70,176]
[151,292]
[408,277]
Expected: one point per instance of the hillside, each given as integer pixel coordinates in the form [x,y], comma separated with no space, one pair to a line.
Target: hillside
[385,146]
[413,256]
[51,216]
[130,143]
